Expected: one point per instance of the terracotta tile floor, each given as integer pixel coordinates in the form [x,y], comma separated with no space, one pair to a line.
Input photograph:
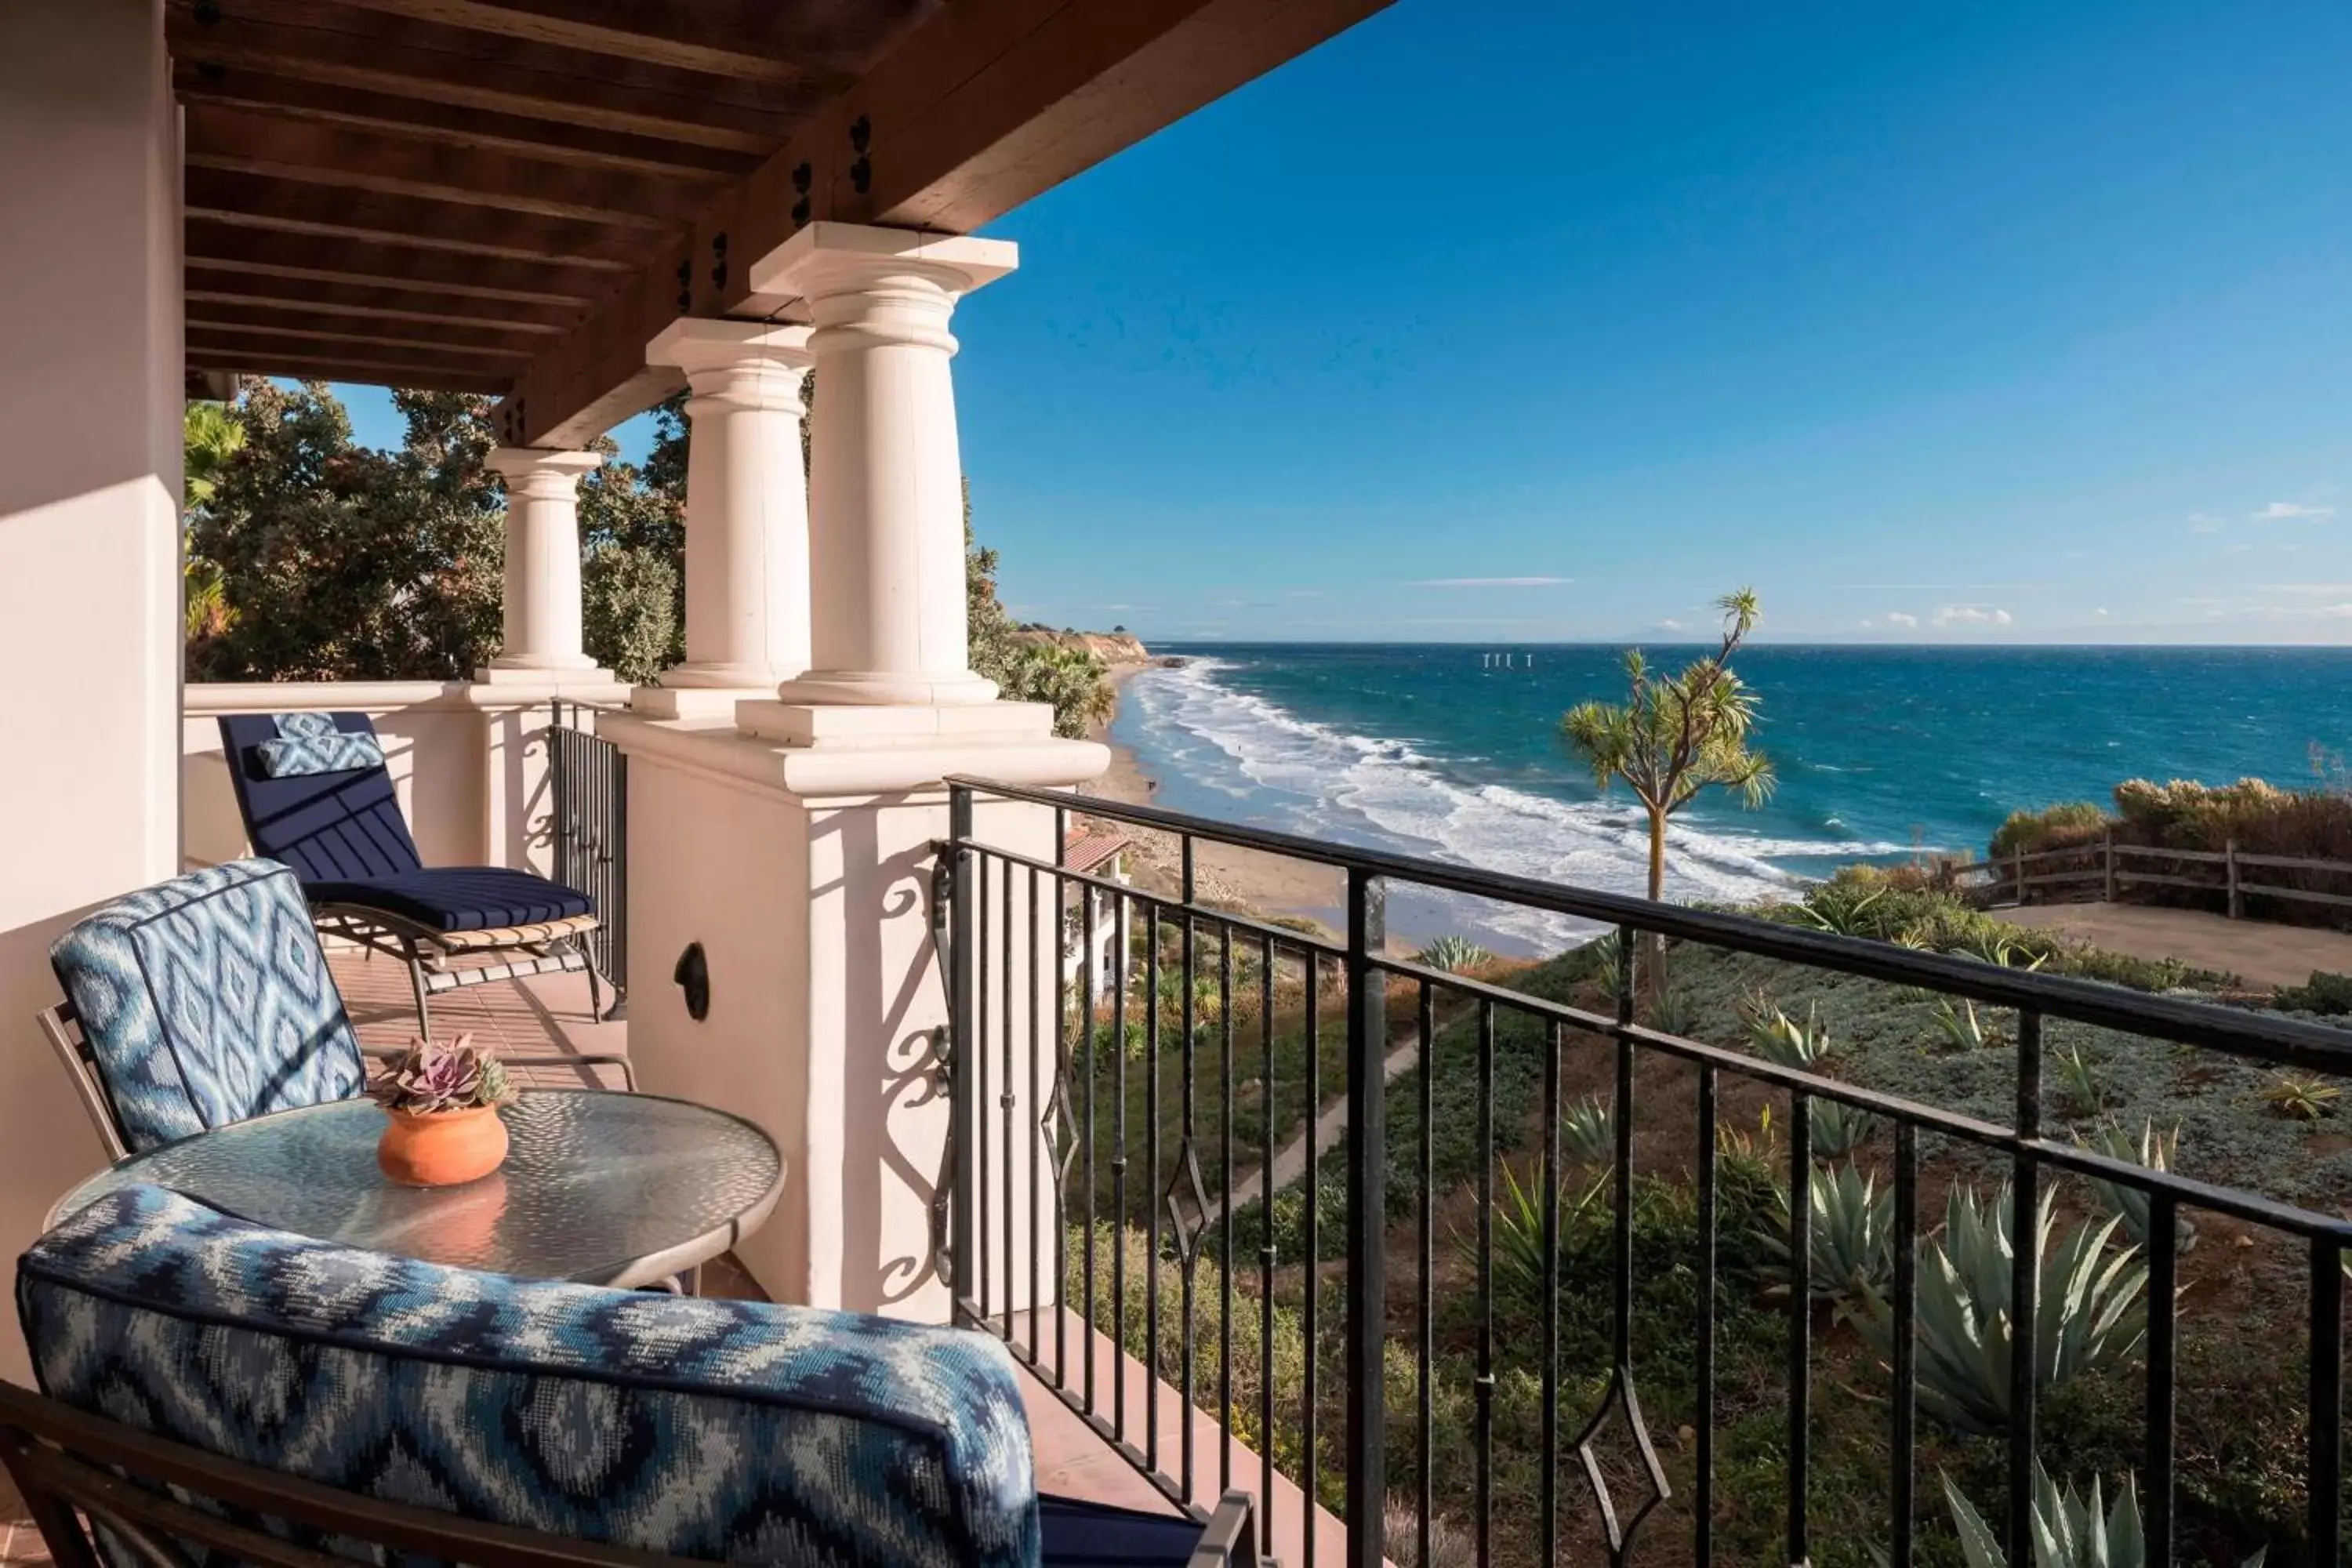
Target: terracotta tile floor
[546,1015]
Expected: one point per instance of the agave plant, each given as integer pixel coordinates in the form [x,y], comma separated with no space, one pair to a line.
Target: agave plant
[1780,1038]
[1841,913]
[1590,1131]
[1518,1229]
[1453,954]
[2129,1204]
[2298,1097]
[1671,1013]
[1748,1166]
[2079,1082]
[1851,1227]
[2071,1529]
[1834,1130]
[2092,1309]
[1961,1027]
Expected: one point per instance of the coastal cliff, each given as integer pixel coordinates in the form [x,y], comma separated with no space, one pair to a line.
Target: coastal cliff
[1114,648]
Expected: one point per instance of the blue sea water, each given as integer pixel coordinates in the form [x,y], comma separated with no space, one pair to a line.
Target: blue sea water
[1450,752]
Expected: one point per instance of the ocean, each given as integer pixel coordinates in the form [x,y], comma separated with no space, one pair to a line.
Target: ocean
[1452,751]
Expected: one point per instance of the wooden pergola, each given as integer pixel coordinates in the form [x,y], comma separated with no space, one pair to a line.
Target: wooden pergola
[514,197]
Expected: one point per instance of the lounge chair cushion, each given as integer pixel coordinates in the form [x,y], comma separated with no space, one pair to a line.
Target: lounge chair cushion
[325,826]
[457,898]
[733,1431]
[298,756]
[207,1000]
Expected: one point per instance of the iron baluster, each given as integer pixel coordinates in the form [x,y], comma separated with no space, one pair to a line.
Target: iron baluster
[1367,1277]
[2025,1283]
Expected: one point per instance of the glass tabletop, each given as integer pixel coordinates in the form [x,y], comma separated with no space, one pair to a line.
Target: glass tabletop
[598,1188]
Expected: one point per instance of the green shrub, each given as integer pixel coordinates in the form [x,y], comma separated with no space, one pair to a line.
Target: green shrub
[2328,995]
[2092,1309]
[1589,1129]
[2060,826]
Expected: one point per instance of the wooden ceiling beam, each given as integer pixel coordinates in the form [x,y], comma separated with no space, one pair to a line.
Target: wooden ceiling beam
[319,40]
[294,206]
[257,142]
[744,46]
[988,103]
[286,318]
[212,285]
[416,120]
[240,248]
[324,360]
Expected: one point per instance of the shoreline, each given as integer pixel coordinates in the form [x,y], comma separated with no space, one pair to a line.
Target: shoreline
[1247,879]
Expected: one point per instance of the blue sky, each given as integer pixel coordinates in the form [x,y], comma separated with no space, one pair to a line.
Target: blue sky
[1531,322]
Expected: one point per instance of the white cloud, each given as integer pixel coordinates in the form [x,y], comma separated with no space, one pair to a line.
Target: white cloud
[1670,626]
[1971,616]
[2204,522]
[2100,614]
[2290,511]
[1869,624]
[1489,582]
[1898,618]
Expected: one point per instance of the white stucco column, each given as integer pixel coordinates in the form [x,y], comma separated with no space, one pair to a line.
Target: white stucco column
[542,576]
[89,534]
[886,572]
[747,545]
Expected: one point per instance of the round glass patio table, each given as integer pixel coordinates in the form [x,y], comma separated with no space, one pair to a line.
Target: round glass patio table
[598,1188]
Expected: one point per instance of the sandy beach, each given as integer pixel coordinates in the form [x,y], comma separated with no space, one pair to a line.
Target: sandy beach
[1242,879]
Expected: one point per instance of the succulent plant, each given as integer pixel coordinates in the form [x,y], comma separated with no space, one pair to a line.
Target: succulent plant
[1851,1227]
[1518,1231]
[1781,1039]
[1590,1131]
[2129,1204]
[1834,1130]
[2299,1097]
[1961,1028]
[2079,1081]
[1453,954]
[2070,1529]
[2092,1309]
[442,1075]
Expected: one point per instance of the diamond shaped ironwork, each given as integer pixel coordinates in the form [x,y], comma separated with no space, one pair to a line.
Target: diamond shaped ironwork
[1186,1187]
[1058,1128]
[1623,1398]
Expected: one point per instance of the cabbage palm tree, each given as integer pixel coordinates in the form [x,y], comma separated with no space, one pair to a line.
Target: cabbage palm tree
[1675,735]
[211,435]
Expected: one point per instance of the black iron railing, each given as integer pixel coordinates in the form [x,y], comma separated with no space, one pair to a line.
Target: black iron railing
[1046,1083]
[588,793]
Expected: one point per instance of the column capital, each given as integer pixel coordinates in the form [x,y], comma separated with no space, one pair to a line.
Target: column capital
[542,473]
[889,285]
[743,364]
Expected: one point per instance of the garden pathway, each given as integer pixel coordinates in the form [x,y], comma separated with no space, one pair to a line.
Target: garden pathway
[2262,953]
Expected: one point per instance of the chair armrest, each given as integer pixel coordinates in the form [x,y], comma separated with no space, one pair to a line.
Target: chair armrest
[1230,1538]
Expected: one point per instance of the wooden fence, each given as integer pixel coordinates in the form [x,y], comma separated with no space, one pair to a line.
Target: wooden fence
[2107,867]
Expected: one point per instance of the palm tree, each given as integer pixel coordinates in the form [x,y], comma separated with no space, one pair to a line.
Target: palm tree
[1675,736]
[212,435]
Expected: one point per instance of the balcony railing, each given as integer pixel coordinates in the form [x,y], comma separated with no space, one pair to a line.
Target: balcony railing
[588,800]
[1164,1241]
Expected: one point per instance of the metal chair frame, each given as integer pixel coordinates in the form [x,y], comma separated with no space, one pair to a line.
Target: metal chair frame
[62,1026]
[79,1473]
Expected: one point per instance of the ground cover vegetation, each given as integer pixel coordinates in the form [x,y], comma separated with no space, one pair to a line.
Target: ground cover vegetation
[2243,1293]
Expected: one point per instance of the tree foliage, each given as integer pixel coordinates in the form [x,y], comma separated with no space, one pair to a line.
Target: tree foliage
[320,559]
[1675,735]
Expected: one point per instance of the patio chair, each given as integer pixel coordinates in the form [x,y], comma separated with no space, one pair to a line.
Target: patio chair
[207,1000]
[299,1398]
[315,793]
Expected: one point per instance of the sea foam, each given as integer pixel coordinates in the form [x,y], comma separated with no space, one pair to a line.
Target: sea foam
[1300,775]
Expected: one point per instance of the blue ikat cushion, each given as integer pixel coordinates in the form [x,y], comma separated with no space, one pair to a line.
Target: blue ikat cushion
[310,744]
[733,1431]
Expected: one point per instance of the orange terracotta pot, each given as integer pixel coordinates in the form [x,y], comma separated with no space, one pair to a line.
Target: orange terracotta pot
[442,1148]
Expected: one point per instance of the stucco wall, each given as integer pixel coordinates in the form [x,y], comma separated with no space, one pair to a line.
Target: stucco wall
[89,490]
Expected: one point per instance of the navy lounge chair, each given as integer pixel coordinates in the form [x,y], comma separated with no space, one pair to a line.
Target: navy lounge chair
[315,795]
